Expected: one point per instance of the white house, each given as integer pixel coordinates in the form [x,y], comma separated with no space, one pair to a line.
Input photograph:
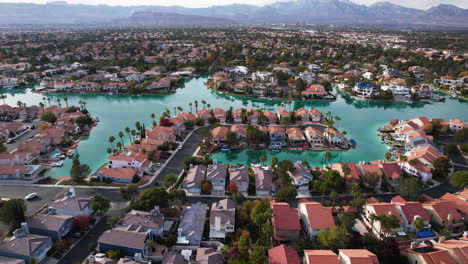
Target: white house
[397,90]
[364,89]
[378,208]
[312,224]
[301,176]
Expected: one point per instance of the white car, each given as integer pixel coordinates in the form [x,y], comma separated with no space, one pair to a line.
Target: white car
[180,147]
[31,196]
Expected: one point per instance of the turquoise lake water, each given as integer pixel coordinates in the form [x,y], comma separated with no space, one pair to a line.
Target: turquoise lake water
[360,119]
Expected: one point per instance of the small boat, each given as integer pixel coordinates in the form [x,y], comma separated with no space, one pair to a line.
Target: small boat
[61,156]
[225,148]
[57,164]
[74,146]
[353,142]
[70,152]
[256,164]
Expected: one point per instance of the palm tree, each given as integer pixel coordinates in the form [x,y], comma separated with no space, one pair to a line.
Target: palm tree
[334,197]
[58,102]
[337,120]
[121,135]
[263,158]
[48,100]
[3,97]
[133,132]
[138,126]
[19,103]
[153,116]
[372,218]
[328,115]
[175,111]
[127,130]
[109,150]
[208,106]
[203,102]
[84,105]
[66,101]
[190,105]
[119,145]
[180,109]
[111,141]
[41,104]
[196,106]
[327,156]
[44,100]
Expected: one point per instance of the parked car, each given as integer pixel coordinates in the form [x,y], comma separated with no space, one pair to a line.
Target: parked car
[31,196]
[158,164]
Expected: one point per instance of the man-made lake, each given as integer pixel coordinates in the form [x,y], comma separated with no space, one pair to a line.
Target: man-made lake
[360,119]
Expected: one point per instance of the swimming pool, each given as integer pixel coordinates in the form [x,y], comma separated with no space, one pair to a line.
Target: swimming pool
[55,154]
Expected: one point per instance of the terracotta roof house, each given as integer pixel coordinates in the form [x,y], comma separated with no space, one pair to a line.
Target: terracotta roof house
[264,185]
[350,178]
[392,171]
[283,254]
[428,255]
[120,175]
[241,131]
[24,245]
[222,218]
[314,136]
[320,257]
[272,119]
[50,224]
[303,114]
[315,115]
[382,208]
[373,169]
[409,211]
[219,134]
[357,256]
[296,137]
[285,220]
[283,113]
[315,217]
[220,114]
[457,249]
[445,213]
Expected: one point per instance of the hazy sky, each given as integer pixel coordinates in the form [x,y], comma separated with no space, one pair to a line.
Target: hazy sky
[421,4]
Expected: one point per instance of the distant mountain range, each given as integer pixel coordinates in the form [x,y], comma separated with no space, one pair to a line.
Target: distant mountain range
[299,11]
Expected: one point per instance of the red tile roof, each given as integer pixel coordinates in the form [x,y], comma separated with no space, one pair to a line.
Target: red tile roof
[360,256]
[284,217]
[319,216]
[283,255]
[321,256]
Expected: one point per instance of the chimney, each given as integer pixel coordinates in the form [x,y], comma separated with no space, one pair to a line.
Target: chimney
[138,257]
[155,211]
[191,166]
[217,223]
[179,232]
[414,244]
[441,239]
[449,219]
[25,228]
[465,234]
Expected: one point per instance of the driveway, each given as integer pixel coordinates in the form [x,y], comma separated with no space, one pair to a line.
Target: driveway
[176,164]
[24,137]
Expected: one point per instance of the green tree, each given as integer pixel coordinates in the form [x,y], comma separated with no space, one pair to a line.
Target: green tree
[114,254]
[263,158]
[112,221]
[78,171]
[244,243]
[346,220]
[32,260]
[258,255]
[129,192]
[333,238]
[286,193]
[49,117]
[409,188]
[450,149]
[177,197]
[419,224]
[231,138]
[441,167]
[152,197]
[461,135]
[13,213]
[100,203]
[169,180]
[459,179]
[372,179]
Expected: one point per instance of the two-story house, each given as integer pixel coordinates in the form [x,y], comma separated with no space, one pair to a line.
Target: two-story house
[222,219]
[277,137]
[192,182]
[301,176]
[50,224]
[264,185]
[285,220]
[24,245]
[216,174]
[148,221]
[315,217]
[240,177]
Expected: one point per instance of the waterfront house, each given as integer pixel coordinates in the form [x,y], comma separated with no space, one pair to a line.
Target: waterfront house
[128,240]
[240,130]
[397,90]
[208,256]
[24,245]
[192,182]
[185,117]
[315,115]
[252,116]
[220,115]
[162,133]
[303,114]
[146,221]
[192,222]
[416,139]
[422,90]
[222,219]
[218,135]
[71,205]
[271,118]
[320,257]
[296,138]
[355,256]
[264,185]
[277,136]
[315,137]
[203,114]
[315,91]
[283,254]
[426,156]
[119,175]
[351,176]
[88,87]
[264,77]
[378,208]
[240,177]
[237,116]
[456,248]
[50,224]
[371,169]
[364,89]
[216,174]
[315,217]
[334,137]
[136,160]
[301,176]
[283,114]
[457,124]
[162,85]
[409,211]
[285,221]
